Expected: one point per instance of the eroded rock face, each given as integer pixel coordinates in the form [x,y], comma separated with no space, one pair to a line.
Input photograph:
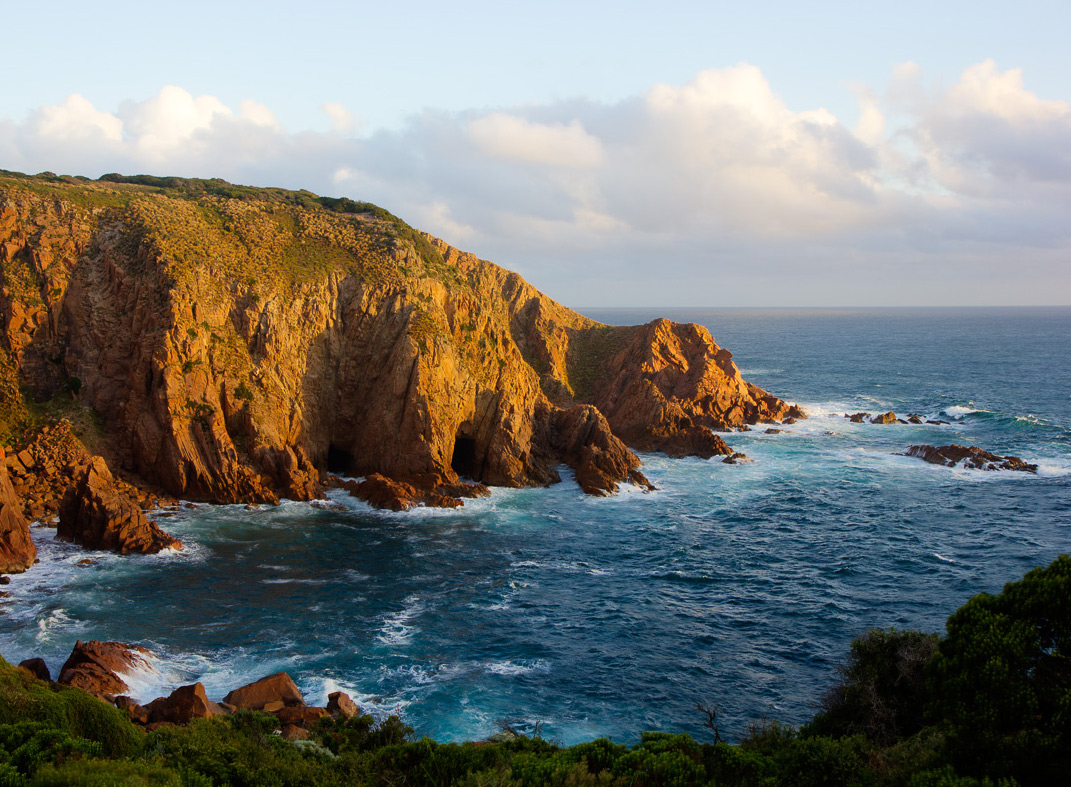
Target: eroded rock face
[98,667]
[972,457]
[236,360]
[17,550]
[96,516]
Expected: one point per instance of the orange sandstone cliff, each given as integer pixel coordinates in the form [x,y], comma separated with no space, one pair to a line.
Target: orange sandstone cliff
[233,344]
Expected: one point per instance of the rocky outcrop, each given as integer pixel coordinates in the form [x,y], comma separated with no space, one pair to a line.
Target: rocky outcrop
[970,457]
[885,418]
[17,550]
[98,667]
[96,516]
[382,492]
[273,692]
[37,667]
[182,706]
[238,348]
[341,706]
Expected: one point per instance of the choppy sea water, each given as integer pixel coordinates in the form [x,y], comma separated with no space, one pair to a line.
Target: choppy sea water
[734,586]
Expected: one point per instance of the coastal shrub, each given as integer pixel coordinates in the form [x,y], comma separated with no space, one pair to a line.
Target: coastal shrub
[64,708]
[1002,680]
[882,688]
[108,773]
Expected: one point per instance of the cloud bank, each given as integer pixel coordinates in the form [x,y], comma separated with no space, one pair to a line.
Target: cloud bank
[714,192]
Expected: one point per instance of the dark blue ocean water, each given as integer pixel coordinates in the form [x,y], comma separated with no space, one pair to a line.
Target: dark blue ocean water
[736,586]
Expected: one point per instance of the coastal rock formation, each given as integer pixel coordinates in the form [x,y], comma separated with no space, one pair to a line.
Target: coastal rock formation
[970,457]
[38,667]
[96,516]
[182,706]
[17,550]
[236,343]
[382,492]
[340,705]
[277,689]
[98,667]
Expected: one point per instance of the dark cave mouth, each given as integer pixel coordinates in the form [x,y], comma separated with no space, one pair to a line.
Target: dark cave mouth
[464,459]
[339,460]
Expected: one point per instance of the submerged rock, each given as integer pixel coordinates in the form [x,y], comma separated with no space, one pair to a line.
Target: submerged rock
[972,457]
[736,459]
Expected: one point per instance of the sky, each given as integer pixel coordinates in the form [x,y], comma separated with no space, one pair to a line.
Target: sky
[614,153]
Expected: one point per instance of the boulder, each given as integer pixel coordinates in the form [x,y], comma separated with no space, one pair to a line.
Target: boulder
[96,516]
[38,667]
[968,456]
[885,418]
[774,431]
[857,418]
[914,418]
[278,687]
[736,459]
[292,732]
[138,714]
[182,706]
[340,705]
[97,667]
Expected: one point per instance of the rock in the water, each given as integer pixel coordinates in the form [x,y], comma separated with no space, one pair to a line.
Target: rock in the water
[885,418]
[382,492]
[736,459]
[98,667]
[972,457]
[339,704]
[278,687]
[774,431]
[38,667]
[17,550]
[857,418]
[94,515]
[914,418]
[583,440]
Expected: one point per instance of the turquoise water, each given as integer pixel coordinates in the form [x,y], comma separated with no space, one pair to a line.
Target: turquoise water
[737,586]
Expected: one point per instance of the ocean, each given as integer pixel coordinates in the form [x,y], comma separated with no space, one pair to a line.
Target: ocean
[734,586]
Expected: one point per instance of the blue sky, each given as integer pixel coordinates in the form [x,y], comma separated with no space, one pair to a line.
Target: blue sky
[614,153]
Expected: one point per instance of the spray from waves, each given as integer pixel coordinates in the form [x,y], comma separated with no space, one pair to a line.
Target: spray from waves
[397,629]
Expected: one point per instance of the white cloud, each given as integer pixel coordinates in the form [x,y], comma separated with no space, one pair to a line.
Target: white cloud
[716,180]
[342,120]
[511,137]
[76,119]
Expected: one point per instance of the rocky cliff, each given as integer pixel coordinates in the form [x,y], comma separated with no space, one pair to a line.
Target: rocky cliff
[235,343]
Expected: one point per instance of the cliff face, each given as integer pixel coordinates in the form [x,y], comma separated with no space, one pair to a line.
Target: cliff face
[238,342]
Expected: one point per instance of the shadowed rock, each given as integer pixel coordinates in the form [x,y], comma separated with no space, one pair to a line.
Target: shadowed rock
[972,457]
[94,515]
[98,667]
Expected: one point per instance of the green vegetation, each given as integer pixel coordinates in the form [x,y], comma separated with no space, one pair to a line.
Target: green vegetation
[285,236]
[989,705]
[589,350]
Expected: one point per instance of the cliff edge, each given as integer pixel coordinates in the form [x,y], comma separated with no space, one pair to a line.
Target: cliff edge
[235,343]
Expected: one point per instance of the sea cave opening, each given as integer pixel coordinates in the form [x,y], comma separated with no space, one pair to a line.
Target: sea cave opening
[339,460]
[464,458]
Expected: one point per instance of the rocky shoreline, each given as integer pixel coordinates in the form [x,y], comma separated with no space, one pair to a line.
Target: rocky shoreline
[98,668]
